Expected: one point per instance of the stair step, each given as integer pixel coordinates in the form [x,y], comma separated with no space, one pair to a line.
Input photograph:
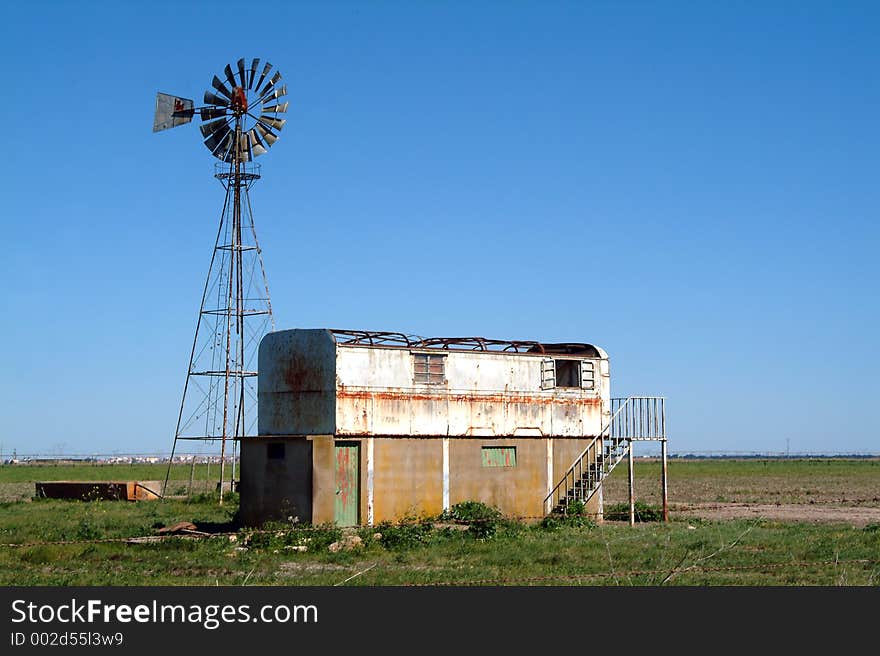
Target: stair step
[593,473]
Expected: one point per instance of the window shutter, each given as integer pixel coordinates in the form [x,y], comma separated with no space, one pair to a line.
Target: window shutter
[588,375]
[548,374]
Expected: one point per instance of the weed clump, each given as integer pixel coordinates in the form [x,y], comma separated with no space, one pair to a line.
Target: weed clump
[575,516]
[276,536]
[406,535]
[483,521]
[87,529]
[644,512]
[470,511]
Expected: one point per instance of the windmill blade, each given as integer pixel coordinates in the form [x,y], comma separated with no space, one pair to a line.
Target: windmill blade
[171,111]
[223,150]
[212,99]
[241,76]
[222,147]
[218,84]
[267,90]
[270,84]
[210,128]
[275,95]
[242,156]
[254,64]
[230,76]
[265,72]
[267,135]
[215,141]
[208,114]
[244,147]
[229,154]
[275,109]
[217,138]
[276,123]
[257,147]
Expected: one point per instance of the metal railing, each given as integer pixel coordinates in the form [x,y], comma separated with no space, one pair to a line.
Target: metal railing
[638,418]
[632,418]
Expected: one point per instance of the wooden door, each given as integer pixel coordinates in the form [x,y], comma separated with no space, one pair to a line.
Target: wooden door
[348,478]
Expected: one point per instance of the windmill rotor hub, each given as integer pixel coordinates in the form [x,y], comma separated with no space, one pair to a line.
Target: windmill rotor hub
[239,101]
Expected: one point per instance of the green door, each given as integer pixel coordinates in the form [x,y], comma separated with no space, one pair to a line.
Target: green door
[348,498]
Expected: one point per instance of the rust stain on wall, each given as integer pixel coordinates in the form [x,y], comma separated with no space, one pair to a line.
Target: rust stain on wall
[470,398]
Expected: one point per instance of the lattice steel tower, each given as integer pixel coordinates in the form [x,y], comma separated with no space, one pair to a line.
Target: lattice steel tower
[241,120]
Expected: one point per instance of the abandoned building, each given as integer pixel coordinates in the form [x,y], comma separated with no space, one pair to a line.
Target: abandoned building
[359,427]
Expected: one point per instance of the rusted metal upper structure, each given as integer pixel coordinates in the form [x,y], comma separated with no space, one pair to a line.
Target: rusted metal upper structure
[363,383]
[380,338]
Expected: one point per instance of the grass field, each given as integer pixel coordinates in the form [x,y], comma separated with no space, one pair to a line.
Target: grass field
[685,551]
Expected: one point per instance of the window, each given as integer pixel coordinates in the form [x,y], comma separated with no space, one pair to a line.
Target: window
[499,456]
[568,373]
[429,369]
[275,451]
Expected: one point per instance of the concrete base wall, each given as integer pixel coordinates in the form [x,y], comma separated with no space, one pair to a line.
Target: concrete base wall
[516,491]
[275,488]
[407,476]
[407,479]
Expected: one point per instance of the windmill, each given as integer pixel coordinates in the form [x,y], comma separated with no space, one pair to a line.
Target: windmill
[241,119]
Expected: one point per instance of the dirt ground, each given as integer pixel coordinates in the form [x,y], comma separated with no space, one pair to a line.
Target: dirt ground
[798,491]
[784,512]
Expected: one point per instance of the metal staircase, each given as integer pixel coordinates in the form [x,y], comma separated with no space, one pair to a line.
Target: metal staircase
[634,418]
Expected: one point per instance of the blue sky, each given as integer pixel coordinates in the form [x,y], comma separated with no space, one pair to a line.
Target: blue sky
[692,186]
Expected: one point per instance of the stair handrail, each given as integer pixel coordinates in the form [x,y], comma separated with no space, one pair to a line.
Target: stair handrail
[579,459]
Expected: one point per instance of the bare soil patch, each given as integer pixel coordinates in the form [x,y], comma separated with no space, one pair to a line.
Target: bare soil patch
[782,512]
[738,487]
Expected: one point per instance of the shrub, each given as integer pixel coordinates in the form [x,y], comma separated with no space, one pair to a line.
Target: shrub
[405,535]
[483,520]
[470,511]
[575,516]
